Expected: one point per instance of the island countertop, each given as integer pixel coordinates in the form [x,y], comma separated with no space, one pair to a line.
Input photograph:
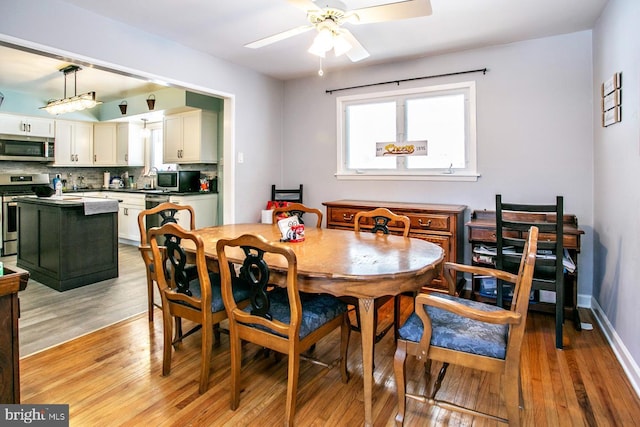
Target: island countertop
[66,200]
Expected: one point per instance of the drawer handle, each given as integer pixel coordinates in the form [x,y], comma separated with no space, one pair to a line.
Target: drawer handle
[347,217]
[428,224]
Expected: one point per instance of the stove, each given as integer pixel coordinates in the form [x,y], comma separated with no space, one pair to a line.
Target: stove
[13,186]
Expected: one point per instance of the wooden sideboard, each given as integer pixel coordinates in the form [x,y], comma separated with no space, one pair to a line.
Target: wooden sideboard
[11,282]
[436,223]
[482,232]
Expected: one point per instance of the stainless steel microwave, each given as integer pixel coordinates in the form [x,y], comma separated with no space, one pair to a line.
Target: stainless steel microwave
[180,181]
[26,148]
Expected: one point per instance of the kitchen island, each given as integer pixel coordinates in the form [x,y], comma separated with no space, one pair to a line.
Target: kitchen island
[67,242]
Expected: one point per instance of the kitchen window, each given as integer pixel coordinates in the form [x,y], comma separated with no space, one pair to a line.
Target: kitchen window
[155,148]
[423,133]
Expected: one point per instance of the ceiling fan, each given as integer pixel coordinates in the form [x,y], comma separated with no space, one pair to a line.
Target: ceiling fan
[328,21]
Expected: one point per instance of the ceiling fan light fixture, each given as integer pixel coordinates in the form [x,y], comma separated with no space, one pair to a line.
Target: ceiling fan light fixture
[72,103]
[317,50]
[341,45]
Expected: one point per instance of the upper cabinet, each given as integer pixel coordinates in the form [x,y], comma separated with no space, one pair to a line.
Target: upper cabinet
[74,143]
[118,144]
[129,145]
[30,126]
[191,137]
[104,144]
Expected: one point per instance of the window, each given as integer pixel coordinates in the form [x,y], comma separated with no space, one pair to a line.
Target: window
[155,144]
[422,133]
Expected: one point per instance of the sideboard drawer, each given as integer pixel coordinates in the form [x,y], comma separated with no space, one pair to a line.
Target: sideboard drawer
[342,216]
[428,222]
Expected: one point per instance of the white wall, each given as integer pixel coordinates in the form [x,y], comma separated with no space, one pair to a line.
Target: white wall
[97,40]
[534,131]
[616,48]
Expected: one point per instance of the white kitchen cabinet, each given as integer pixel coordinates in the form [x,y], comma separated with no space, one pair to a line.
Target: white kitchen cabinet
[129,145]
[191,137]
[104,144]
[131,204]
[118,144]
[74,143]
[12,124]
[205,206]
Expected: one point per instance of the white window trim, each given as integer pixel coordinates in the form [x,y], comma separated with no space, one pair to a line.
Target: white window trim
[471,172]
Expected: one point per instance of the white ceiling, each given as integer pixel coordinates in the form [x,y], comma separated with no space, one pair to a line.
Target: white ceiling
[222,28]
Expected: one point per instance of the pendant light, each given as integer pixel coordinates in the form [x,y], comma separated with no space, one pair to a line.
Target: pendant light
[72,103]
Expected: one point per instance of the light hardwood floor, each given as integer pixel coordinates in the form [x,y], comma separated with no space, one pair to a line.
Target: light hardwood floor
[113,377]
[49,317]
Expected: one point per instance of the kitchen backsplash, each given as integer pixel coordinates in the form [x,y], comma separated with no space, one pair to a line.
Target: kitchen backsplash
[93,177]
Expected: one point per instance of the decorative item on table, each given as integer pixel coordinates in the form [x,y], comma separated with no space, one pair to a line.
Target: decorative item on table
[291,229]
[272,204]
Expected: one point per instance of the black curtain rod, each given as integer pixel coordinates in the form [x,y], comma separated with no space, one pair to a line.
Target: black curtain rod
[483,70]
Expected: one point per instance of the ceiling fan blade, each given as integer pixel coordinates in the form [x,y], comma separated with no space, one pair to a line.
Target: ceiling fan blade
[280,36]
[357,52]
[306,5]
[392,11]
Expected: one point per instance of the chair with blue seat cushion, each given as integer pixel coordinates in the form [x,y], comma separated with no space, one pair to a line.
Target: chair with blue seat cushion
[189,291]
[279,317]
[167,213]
[471,334]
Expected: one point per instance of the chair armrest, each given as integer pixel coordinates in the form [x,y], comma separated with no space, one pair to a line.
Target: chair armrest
[483,271]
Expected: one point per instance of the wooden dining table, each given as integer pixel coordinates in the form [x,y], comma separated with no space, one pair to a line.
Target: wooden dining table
[363,265]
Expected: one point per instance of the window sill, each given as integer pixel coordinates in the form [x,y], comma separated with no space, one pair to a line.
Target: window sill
[366,176]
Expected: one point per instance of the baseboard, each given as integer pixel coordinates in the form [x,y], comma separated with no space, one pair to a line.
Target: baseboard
[629,365]
[584,301]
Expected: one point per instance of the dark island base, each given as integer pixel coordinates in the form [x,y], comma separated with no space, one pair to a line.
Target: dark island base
[63,248]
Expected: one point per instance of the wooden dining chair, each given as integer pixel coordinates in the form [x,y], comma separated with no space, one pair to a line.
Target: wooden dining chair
[167,214]
[278,318]
[512,223]
[188,293]
[298,209]
[454,330]
[293,195]
[381,220]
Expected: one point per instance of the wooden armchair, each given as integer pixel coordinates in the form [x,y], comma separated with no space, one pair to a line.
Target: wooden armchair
[189,294]
[471,334]
[379,220]
[279,318]
[167,213]
[298,209]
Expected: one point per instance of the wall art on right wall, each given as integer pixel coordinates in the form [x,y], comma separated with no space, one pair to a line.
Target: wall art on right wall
[611,91]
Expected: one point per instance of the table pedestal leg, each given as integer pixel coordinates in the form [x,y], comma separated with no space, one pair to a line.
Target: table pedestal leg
[367,332]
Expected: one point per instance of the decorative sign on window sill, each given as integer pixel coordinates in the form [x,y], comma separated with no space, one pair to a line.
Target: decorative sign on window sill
[612,100]
[413,148]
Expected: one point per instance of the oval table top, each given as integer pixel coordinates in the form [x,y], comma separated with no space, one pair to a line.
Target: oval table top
[344,262]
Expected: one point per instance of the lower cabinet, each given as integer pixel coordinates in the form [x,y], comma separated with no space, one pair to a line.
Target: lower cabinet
[130,206]
[63,248]
[205,206]
[436,223]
